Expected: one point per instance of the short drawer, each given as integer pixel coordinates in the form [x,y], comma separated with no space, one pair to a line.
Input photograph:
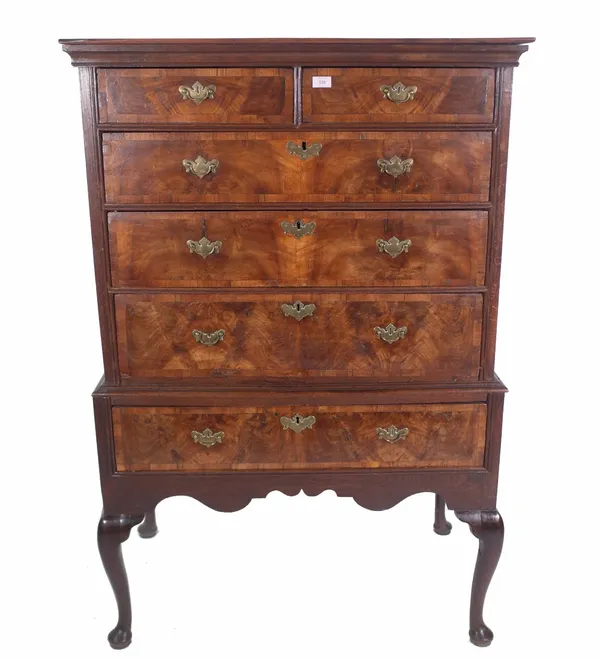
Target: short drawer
[196,96]
[420,337]
[403,96]
[271,249]
[208,439]
[262,167]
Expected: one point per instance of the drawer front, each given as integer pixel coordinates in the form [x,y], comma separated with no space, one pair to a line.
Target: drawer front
[148,168]
[426,436]
[197,96]
[183,336]
[401,96]
[267,249]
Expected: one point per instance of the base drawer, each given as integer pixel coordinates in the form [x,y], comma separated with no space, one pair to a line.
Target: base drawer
[323,437]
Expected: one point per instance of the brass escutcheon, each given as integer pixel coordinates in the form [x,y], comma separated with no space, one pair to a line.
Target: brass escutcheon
[392,434]
[298,228]
[390,333]
[207,437]
[298,310]
[395,166]
[198,92]
[302,151]
[208,338]
[399,93]
[393,246]
[200,167]
[204,247]
[297,422]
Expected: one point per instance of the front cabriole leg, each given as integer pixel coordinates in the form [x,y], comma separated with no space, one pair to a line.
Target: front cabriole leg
[112,532]
[488,527]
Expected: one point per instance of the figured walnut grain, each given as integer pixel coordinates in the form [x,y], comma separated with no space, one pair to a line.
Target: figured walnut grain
[443,96]
[256,167]
[159,439]
[155,336]
[242,96]
[149,249]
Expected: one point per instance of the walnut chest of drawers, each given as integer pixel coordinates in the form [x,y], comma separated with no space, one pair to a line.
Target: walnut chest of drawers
[297,249]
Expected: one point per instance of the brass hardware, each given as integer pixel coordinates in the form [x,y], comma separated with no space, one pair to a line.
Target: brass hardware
[298,310]
[298,228]
[207,437]
[394,246]
[200,167]
[390,333]
[392,434]
[204,247]
[208,338]
[395,166]
[398,93]
[297,422]
[302,151]
[197,92]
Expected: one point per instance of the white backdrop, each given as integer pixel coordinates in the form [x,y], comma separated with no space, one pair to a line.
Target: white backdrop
[301,578]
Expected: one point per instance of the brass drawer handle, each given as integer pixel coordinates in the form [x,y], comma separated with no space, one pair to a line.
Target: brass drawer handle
[395,166]
[207,437]
[297,422]
[204,247]
[394,246]
[392,434]
[298,228]
[399,93]
[390,333]
[208,338]
[198,92]
[200,167]
[298,310]
[303,151]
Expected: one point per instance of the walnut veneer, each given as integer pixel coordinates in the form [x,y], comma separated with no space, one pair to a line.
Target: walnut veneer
[447,249]
[256,167]
[297,247]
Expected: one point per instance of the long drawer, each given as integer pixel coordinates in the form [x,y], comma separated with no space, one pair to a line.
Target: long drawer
[206,439]
[258,167]
[420,337]
[270,249]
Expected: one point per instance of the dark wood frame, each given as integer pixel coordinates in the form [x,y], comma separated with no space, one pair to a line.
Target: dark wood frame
[128,498]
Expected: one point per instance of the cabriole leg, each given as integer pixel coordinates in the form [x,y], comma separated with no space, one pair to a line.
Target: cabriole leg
[112,532]
[147,528]
[441,525]
[488,527]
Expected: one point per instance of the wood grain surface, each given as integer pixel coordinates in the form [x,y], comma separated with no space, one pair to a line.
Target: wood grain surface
[159,439]
[442,343]
[150,249]
[443,96]
[256,167]
[160,384]
[242,96]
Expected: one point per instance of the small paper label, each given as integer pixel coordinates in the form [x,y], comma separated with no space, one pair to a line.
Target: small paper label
[321,81]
